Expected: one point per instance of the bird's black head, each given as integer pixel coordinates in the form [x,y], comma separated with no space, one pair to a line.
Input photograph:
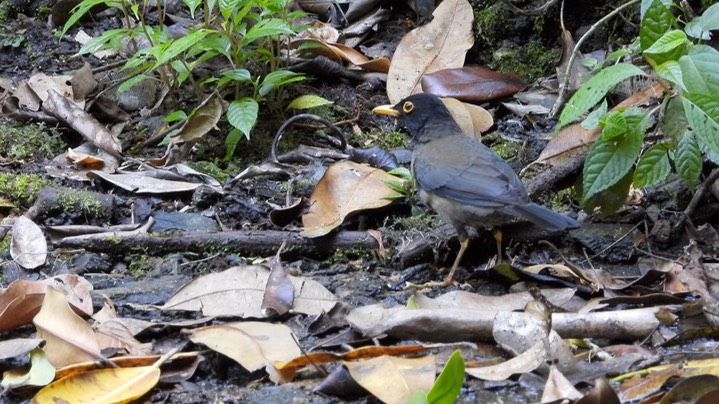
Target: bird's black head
[424,116]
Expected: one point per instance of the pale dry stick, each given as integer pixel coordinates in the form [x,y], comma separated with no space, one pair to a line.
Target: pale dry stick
[575,51]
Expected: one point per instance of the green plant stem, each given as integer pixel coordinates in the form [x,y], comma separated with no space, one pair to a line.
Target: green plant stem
[560,98]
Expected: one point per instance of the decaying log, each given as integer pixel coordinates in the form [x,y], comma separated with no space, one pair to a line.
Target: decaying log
[257,243]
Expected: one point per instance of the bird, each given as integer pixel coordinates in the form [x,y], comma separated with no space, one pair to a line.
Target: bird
[461,179]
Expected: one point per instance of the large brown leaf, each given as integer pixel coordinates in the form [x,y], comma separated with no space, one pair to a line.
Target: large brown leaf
[345,189]
[441,44]
[472,83]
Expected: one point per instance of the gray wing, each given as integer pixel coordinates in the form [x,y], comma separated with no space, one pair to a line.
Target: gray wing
[468,172]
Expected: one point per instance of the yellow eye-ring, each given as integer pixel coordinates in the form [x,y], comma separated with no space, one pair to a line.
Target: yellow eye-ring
[407,106]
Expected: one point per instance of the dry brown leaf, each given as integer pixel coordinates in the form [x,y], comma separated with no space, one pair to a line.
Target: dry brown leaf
[204,119]
[17,346]
[472,119]
[337,51]
[441,44]
[252,344]
[558,387]
[75,117]
[114,385]
[126,362]
[523,363]
[346,189]
[143,184]
[238,292]
[22,299]
[28,247]
[279,292]
[472,84]
[69,339]
[394,380]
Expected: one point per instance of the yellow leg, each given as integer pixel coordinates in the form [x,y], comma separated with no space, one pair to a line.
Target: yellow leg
[498,238]
[449,280]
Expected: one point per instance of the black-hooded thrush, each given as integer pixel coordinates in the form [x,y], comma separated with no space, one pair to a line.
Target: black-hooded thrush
[461,179]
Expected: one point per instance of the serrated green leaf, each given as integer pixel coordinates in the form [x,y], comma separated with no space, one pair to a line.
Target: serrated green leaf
[653,167]
[614,124]
[708,151]
[242,114]
[708,21]
[702,112]
[449,382]
[608,161]
[227,7]
[674,121]
[612,198]
[668,42]
[308,101]
[401,172]
[656,21]
[647,3]
[595,90]
[688,159]
[699,70]
[396,186]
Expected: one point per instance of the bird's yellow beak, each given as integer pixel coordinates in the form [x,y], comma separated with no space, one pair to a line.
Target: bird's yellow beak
[386,110]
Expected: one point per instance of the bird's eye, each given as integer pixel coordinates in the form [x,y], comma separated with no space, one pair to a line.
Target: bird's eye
[407,107]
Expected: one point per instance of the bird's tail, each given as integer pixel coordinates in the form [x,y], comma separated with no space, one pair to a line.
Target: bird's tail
[544,217]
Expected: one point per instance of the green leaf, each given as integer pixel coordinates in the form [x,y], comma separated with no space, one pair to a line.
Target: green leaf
[278,78]
[176,116]
[614,124]
[109,39]
[192,5]
[594,90]
[653,167]
[308,101]
[688,159]
[647,3]
[702,112]
[419,397]
[164,53]
[267,28]
[699,70]
[592,120]
[231,142]
[83,8]
[668,42]
[608,161]
[401,172]
[227,7]
[656,21]
[674,121]
[242,114]
[611,199]
[238,75]
[447,386]
[671,71]
[708,21]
